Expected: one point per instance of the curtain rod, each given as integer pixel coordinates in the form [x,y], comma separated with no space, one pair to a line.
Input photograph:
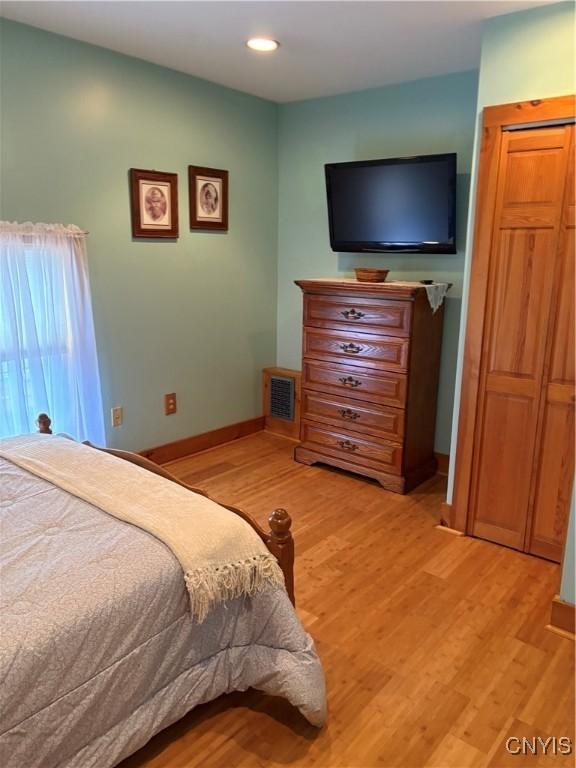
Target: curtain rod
[35,233]
[32,235]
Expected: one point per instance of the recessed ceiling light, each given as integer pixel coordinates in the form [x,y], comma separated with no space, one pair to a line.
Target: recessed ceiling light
[262,44]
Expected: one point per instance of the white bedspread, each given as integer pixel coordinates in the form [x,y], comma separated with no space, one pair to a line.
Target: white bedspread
[98,650]
[221,555]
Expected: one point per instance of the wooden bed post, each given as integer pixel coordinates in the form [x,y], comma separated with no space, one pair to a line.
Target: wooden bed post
[278,540]
[43,421]
[281,544]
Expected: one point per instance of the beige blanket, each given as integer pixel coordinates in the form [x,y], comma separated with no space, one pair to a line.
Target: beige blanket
[221,555]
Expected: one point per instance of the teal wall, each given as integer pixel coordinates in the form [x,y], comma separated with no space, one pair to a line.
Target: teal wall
[528,55]
[423,117]
[196,316]
[568,584]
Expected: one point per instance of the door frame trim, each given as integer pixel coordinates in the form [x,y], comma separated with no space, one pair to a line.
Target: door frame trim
[495,120]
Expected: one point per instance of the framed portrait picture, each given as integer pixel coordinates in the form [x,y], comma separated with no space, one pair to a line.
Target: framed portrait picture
[154,198]
[208,190]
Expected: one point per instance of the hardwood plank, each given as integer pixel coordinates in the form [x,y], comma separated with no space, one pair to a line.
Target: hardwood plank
[454,753]
[434,646]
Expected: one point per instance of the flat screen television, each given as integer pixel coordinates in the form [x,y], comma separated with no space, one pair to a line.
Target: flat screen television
[404,204]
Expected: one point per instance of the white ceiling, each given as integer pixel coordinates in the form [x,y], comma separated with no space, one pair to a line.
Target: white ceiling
[326,47]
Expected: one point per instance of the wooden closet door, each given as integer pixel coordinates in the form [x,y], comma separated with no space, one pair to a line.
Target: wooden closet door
[531,180]
[555,458]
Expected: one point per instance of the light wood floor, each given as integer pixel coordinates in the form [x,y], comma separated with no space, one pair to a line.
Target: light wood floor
[434,646]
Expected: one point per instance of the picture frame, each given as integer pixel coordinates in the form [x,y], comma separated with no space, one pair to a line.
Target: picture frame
[154,203]
[208,198]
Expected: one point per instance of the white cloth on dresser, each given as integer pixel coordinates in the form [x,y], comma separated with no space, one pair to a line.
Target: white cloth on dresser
[436,294]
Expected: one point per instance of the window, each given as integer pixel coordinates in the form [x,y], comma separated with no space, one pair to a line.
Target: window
[48,357]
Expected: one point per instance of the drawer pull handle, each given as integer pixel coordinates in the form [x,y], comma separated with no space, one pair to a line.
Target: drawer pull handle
[352,314]
[353,349]
[348,381]
[347,445]
[348,413]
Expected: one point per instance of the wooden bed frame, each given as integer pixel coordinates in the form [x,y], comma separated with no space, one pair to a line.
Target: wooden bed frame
[278,540]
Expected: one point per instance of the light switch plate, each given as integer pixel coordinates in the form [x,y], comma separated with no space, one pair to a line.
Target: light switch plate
[117,416]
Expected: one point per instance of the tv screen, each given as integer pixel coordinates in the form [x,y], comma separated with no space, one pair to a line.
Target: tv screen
[403,204]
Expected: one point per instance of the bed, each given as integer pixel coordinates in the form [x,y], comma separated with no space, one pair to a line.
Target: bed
[99,646]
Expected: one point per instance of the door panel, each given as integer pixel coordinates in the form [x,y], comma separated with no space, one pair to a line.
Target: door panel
[521,281]
[554,482]
[555,458]
[506,452]
[562,366]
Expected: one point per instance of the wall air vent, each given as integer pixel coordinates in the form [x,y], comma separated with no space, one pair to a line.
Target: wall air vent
[282,397]
[282,401]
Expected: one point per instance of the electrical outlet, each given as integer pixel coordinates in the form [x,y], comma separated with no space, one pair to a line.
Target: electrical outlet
[170,403]
[117,416]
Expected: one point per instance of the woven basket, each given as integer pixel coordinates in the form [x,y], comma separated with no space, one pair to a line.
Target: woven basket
[370,275]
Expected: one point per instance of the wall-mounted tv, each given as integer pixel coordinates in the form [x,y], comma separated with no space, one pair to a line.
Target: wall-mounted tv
[404,204]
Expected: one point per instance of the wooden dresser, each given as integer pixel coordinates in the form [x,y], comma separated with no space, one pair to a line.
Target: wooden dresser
[370,364]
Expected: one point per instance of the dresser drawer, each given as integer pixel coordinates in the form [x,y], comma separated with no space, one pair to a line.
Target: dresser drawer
[383,387]
[355,448]
[347,413]
[371,315]
[369,350]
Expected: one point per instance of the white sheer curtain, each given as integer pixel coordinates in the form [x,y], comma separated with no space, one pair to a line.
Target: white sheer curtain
[47,347]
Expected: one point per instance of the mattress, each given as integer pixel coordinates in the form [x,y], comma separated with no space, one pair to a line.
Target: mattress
[98,650]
